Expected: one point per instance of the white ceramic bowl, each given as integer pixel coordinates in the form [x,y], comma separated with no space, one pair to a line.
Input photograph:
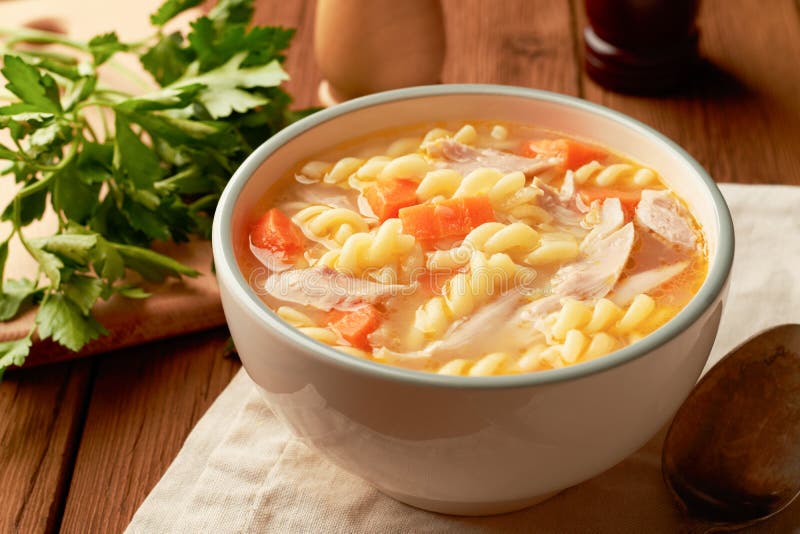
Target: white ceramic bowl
[464,445]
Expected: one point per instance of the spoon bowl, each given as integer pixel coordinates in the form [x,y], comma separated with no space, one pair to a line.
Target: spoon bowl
[732,454]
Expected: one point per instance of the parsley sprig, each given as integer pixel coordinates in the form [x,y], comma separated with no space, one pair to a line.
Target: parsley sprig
[123,170]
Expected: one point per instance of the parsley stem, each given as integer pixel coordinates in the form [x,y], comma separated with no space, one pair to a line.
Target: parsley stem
[18,223]
[35,187]
[112,91]
[204,202]
[36,55]
[96,103]
[27,35]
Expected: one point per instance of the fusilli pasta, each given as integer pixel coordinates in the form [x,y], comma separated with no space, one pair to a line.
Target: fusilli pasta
[385,246]
[614,174]
[330,224]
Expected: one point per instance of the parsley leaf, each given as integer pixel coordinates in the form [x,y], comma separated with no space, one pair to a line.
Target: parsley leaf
[232,12]
[83,291]
[38,90]
[224,94]
[134,159]
[13,353]
[104,46]
[170,9]
[167,60]
[62,319]
[74,248]
[13,295]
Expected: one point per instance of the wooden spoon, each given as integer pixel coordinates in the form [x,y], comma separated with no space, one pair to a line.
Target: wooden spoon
[732,454]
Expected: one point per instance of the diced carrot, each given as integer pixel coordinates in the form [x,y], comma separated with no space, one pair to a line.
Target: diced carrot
[478,211]
[454,217]
[275,232]
[419,221]
[449,219]
[387,197]
[356,325]
[629,199]
[575,154]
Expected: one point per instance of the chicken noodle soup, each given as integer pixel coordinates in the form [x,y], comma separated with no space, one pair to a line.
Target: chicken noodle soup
[474,249]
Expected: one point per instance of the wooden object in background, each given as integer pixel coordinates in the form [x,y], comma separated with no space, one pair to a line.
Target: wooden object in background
[366,46]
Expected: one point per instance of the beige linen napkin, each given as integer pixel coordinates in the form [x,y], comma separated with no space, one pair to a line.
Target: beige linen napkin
[241,471]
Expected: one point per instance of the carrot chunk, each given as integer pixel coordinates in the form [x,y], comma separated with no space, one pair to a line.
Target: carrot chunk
[574,153]
[450,218]
[356,325]
[275,232]
[478,211]
[387,197]
[629,199]
[419,221]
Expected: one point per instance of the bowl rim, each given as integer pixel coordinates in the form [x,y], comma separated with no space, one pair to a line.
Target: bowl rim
[227,267]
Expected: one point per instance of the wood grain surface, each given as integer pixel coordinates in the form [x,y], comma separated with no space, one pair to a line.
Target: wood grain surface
[42,415]
[142,407]
[81,444]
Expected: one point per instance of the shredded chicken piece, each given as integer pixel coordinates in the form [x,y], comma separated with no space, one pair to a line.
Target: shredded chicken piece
[326,289]
[465,159]
[472,336]
[328,195]
[645,282]
[660,212]
[562,206]
[611,219]
[596,274]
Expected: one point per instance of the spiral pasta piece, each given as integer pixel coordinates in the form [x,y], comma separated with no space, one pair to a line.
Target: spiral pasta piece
[383,248]
[488,365]
[307,326]
[515,239]
[315,171]
[342,170]
[410,166]
[583,332]
[605,176]
[368,172]
[554,247]
[329,224]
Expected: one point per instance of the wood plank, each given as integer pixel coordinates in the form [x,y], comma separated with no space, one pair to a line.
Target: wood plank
[43,411]
[740,115]
[515,43]
[144,403]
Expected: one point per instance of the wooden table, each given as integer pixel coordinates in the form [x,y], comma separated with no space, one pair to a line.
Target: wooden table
[82,443]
